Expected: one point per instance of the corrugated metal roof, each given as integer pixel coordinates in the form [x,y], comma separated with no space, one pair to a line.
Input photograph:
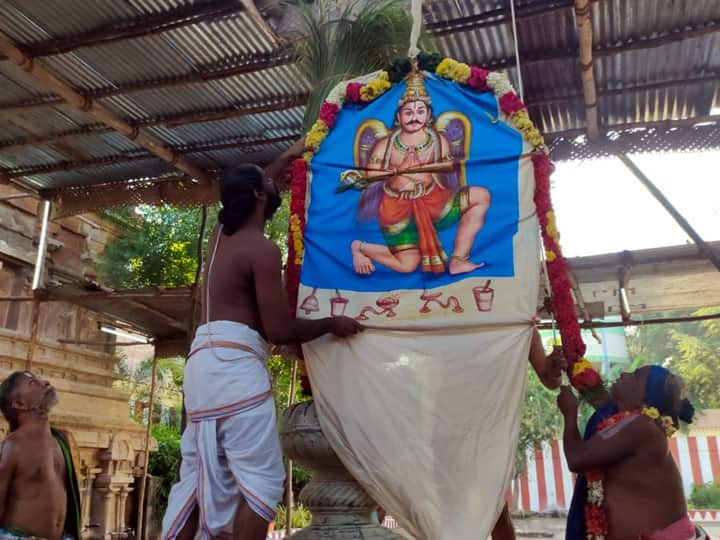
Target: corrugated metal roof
[655,60]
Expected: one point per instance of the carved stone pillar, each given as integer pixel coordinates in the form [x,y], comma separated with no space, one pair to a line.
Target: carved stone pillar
[341,508]
[89,474]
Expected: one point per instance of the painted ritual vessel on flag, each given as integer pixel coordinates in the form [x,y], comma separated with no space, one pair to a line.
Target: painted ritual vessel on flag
[418,212]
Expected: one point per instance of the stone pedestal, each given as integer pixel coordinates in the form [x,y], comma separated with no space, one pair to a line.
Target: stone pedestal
[341,509]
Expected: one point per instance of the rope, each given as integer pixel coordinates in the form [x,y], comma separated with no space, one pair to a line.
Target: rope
[517,49]
[416,13]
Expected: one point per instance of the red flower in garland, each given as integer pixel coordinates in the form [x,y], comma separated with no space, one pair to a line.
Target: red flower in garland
[510,103]
[586,379]
[595,520]
[478,79]
[328,113]
[352,92]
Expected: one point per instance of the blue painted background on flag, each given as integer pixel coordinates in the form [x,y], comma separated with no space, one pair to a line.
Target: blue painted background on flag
[331,222]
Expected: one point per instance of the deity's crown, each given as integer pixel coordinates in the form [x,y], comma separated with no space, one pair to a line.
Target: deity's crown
[415,89]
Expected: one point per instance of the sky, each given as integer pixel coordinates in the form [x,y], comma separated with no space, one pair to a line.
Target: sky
[602,208]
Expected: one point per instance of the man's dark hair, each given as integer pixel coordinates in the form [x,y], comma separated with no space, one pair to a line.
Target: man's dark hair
[6,391]
[237,194]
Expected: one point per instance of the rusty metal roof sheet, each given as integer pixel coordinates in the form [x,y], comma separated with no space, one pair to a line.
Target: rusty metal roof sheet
[187,70]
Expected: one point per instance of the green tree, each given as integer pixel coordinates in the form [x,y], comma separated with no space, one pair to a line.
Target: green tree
[691,350]
[164,464]
[157,245]
[541,420]
[342,40]
[697,360]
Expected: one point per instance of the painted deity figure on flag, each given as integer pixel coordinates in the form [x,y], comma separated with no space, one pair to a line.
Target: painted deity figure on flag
[413,182]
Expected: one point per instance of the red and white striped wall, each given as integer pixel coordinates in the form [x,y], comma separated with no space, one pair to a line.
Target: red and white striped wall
[548,484]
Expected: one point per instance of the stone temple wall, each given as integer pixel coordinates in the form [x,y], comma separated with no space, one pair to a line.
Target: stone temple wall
[108,445]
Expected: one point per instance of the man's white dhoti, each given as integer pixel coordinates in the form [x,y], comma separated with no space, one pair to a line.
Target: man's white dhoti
[230,448]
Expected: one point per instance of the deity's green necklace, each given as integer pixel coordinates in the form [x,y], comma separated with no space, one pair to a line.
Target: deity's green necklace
[419,148]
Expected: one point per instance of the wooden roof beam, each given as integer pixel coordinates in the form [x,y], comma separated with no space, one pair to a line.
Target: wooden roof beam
[231,67]
[134,27]
[54,84]
[585,39]
[608,92]
[141,155]
[494,17]
[599,51]
[175,120]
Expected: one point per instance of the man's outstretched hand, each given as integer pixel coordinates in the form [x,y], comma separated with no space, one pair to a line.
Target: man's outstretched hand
[556,364]
[296,150]
[567,402]
[345,326]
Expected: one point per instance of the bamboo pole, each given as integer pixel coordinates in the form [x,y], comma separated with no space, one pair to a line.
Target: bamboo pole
[140,533]
[646,322]
[703,247]
[52,83]
[585,37]
[34,323]
[288,488]
[193,295]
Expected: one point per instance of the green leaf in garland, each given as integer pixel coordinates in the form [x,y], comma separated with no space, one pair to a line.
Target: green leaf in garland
[398,70]
[429,61]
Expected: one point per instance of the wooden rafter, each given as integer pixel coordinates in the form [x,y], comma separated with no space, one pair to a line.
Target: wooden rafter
[54,84]
[135,27]
[281,56]
[173,120]
[585,38]
[495,16]
[140,155]
[167,121]
[230,67]
[608,92]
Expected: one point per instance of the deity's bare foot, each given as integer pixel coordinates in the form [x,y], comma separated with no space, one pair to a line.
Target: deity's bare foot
[361,262]
[458,266]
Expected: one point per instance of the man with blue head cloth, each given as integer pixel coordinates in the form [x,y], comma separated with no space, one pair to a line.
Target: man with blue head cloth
[631,487]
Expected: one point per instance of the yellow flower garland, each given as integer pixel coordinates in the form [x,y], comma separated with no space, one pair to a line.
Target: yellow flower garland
[665,422]
[376,87]
[580,366]
[454,70]
[297,239]
[316,135]
[551,228]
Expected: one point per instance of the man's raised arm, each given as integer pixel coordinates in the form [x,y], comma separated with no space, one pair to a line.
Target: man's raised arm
[275,169]
[280,327]
[603,449]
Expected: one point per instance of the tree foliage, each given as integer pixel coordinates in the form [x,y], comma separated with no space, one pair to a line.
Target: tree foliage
[691,350]
[541,420]
[342,40]
[157,245]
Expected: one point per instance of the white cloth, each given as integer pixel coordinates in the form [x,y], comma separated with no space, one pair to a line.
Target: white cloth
[230,448]
[424,407]
[430,430]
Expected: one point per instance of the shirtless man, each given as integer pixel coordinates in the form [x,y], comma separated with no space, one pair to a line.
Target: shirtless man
[33,472]
[634,456]
[232,473]
[549,370]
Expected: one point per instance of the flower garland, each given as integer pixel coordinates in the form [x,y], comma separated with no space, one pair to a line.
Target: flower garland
[585,378]
[596,519]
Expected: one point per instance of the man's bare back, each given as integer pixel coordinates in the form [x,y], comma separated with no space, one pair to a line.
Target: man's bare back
[232,289]
[34,468]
